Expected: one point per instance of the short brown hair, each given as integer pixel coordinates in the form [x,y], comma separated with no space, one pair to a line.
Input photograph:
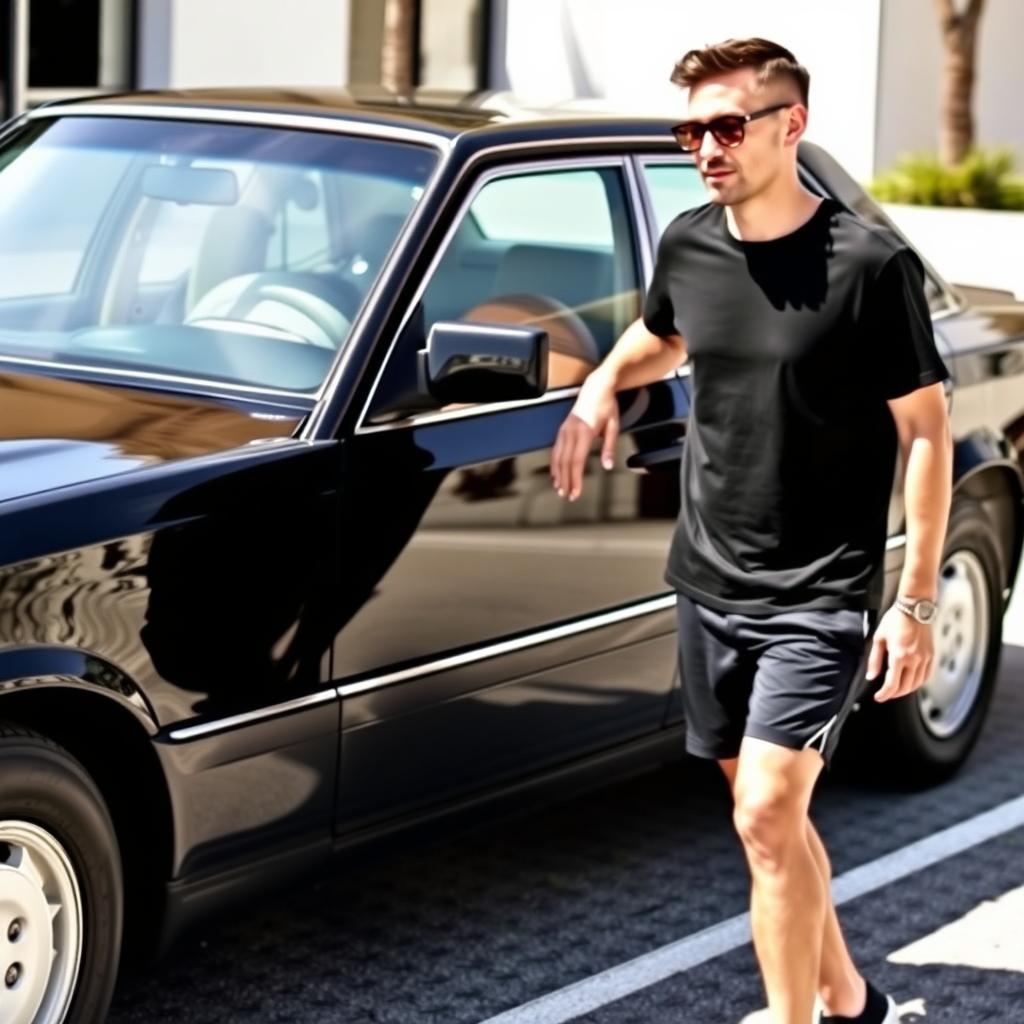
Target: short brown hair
[773,62]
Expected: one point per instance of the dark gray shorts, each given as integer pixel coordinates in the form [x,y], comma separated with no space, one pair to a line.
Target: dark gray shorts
[788,677]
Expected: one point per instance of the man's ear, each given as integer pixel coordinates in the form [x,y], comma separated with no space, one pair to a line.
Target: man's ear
[796,124]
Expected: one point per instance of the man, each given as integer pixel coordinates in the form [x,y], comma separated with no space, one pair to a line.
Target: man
[812,362]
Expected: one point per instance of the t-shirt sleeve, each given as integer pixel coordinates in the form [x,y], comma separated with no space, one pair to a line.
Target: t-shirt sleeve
[898,328]
[658,314]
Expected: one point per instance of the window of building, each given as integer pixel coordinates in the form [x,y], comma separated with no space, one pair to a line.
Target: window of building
[75,47]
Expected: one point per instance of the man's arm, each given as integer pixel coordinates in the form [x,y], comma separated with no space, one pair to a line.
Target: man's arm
[926,447]
[638,357]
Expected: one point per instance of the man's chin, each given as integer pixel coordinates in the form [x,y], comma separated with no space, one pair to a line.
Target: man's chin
[721,192]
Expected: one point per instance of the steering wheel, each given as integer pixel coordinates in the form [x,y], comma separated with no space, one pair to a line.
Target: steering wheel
[294,306]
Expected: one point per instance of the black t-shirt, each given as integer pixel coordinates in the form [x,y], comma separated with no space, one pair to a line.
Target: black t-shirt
[794,346]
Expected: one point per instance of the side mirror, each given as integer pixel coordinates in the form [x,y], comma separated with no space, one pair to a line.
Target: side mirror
[484,362]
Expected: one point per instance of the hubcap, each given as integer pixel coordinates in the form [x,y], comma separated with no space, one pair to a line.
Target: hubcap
[961,632]
[40,926]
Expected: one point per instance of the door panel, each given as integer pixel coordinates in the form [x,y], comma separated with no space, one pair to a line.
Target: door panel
[484,552]
[467,554]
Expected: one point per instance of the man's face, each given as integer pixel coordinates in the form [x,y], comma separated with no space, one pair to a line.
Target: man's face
[735,174]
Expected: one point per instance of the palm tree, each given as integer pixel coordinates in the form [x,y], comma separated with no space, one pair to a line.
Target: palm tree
[959,33]
[398,50]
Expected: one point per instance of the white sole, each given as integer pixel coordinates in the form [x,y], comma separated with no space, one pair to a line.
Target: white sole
[893,1016]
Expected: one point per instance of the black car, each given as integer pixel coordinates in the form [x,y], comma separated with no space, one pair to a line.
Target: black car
[283,572]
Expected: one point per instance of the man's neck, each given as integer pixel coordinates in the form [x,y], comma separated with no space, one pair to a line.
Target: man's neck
[771,214]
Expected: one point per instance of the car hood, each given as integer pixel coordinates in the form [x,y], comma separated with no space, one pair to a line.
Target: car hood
[56,432]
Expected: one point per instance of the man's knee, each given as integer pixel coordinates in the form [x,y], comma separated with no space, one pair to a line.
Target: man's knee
[771,796]
[769,823]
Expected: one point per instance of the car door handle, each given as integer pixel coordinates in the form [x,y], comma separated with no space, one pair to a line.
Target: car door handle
[655,458]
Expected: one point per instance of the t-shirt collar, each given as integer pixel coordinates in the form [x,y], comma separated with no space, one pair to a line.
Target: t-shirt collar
[764,244]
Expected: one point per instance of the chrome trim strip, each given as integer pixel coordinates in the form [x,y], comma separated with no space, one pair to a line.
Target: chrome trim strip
[486,408]
[641,240]
[508,171]
[263,118]
[543,636]
[897,540]
[191,732]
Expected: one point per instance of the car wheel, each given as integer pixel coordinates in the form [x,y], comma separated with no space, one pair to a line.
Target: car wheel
[60,887]
[925,737]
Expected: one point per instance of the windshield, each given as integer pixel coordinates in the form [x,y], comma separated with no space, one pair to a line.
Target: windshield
[222,252]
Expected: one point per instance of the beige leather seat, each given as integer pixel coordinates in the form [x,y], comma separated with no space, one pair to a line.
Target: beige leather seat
[234,243]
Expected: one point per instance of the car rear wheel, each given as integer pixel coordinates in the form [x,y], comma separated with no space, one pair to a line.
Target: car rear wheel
[924,738]
[60,887]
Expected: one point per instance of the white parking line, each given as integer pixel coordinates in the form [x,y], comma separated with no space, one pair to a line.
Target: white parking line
[624,979]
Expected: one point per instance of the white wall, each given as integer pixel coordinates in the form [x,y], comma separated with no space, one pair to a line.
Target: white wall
[185,43]
[910,74]
[625,50]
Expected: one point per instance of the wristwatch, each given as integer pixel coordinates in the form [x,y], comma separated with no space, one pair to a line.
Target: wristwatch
[920,608]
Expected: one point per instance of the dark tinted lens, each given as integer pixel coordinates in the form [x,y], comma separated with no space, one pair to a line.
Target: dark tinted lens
[689,135]
[728,130]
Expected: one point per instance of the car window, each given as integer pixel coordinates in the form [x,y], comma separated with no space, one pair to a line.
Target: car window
[46,233]
[673,187]
[552,248]
[556,208]
[300,238]
[233,253]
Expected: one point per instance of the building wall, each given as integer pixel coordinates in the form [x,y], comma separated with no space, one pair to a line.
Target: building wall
[625,52]
[910,70]
[185,43]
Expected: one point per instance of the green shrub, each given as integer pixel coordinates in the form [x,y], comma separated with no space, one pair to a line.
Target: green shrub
[984,179]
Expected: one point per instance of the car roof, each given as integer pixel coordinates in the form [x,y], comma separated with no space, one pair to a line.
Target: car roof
[446,113]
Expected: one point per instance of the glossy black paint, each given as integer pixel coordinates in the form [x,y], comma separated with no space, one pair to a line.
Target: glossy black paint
[329,632]
[485,363]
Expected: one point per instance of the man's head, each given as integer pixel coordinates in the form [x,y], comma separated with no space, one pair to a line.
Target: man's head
[739,77]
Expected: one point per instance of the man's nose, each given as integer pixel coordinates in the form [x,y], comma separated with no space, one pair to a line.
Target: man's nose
[709,145]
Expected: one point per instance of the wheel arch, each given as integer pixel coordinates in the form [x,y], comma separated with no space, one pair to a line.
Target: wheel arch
[998,486]
[111,740]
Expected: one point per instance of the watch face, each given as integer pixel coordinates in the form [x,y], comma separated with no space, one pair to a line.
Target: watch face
[926,610]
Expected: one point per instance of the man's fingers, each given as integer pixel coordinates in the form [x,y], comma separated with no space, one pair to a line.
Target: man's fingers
[923,671]
[908,675]
[556,458]
[560,457]
[893,677]
[582,441]
[611,437]
[875,657]
[563,458]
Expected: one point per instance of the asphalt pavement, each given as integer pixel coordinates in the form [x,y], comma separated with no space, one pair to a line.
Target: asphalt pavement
[502,922]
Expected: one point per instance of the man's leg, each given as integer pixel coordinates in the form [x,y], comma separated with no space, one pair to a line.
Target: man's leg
[840,985]
[788,896]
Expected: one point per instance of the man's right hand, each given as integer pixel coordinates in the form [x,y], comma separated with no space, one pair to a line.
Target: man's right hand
[595,413]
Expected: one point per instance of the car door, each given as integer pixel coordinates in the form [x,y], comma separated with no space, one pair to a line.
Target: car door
[497,629]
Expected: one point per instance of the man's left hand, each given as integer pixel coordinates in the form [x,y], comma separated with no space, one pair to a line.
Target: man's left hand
[910,648]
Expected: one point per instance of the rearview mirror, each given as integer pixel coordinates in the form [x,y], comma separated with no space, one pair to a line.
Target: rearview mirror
[484,362]
[209,186]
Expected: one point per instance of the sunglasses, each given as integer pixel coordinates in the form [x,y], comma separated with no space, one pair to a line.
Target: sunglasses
[728,129]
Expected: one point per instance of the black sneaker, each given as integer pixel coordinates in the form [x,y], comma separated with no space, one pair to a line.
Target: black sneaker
[879,1009]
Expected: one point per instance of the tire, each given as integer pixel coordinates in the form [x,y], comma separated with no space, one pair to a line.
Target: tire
[924,738]
[57,844]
